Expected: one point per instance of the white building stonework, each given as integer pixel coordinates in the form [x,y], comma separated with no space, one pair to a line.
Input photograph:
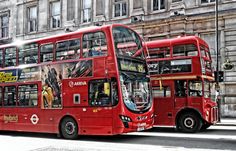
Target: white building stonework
[153,19]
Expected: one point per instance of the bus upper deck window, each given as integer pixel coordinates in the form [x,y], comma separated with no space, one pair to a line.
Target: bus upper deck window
[205,52]
[28,54]
[10,57]
[162,52]
[185,50]
[126,42]
[46,53]
[1,58]
[94,44]
[68,49]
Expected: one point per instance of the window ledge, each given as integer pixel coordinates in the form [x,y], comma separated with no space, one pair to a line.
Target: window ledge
[55,29]
[158,11]
[119,17]
[5,38]
[32,32]
[207,4]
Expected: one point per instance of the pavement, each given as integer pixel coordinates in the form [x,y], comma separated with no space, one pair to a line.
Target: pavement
[227,122]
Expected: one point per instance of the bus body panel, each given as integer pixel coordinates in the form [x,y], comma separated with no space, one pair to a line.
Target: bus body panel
[68,89]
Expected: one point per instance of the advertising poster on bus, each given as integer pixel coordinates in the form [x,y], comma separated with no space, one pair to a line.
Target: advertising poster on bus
[52,76]
[8,76]
[51,83]
[78,69]
[29,74]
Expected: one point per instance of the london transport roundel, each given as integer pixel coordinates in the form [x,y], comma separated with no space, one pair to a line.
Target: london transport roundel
[34,119]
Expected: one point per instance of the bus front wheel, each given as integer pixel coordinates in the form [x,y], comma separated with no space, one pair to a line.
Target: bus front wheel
[205,126]
[189,123]
[69,128]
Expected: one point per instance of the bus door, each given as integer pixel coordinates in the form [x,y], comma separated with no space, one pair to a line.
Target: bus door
[97,118]
[180,99]
[163,103]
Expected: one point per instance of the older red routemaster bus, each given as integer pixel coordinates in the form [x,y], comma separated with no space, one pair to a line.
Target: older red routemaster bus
[85,82]
[181,77]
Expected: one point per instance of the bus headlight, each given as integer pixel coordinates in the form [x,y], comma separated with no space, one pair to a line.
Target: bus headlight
[152,116]
[125,118]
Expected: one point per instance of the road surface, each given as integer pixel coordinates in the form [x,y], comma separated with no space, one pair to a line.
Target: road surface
[213,139]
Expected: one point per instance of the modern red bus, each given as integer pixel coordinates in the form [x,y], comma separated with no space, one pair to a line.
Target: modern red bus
[181,78]
[85,82]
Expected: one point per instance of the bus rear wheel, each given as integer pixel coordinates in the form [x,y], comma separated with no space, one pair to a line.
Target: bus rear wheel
[189,123]
[69,128]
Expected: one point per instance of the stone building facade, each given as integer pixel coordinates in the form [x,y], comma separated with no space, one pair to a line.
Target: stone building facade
[153,19]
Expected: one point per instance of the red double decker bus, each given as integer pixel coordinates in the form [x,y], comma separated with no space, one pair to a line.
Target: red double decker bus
[182,77]
[85,82]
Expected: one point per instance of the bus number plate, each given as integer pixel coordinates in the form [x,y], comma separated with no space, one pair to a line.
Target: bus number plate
[140,128]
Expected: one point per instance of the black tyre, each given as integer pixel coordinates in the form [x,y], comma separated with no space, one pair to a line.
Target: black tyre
[205,126]
[69,128]
[189,123]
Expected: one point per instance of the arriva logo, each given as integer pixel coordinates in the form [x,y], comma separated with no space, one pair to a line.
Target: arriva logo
[74,84]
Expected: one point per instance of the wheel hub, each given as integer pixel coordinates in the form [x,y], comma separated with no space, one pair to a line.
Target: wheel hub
[189,122]
[70,128]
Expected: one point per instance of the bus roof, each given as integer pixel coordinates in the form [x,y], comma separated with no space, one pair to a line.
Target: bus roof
[79,31]
[172,41]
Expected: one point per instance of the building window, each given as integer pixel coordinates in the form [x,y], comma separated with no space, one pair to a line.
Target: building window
[120,8]
[32,19]
[70,10]
[158,5]
[176,1]
[100,8]
[4,26]
[138,4]
[55,14]
[207,1]
[86,12]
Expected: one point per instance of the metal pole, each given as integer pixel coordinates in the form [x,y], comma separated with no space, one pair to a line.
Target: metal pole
[217,59]
[217,42]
